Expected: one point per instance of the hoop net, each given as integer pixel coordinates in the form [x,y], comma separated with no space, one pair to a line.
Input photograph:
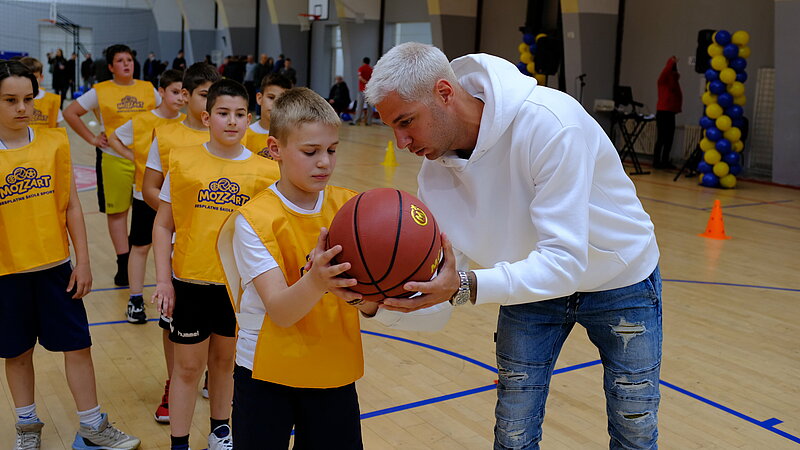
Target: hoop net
[305,20]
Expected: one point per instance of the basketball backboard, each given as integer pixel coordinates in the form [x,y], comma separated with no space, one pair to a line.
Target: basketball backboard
[318,8]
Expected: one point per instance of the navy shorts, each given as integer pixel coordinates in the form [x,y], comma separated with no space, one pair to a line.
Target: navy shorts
[200,310]
[35,305]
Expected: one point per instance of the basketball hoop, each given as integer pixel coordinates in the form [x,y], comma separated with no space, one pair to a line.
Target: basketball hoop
[305,20]
[50,21]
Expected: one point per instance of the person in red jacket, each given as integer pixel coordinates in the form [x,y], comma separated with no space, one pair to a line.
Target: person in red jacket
[670,99]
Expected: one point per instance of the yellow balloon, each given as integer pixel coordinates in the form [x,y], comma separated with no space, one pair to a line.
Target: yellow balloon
[714,110]
[540,35]
[706,144]
[714,50]
[740,38]
[744,51]
[526,57]
[732,134]
[719,62]
[721,169]
[523,47]
[723,123]
[700,178]
[738,146]
[727,76]
[541,79]
[531,67]
[740,100]
[728,181]
[712,157]
[736,89]
[709,98]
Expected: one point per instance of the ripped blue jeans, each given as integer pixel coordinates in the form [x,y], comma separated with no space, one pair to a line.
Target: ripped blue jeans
[625,326]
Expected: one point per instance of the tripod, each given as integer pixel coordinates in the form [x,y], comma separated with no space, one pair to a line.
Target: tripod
[690,163]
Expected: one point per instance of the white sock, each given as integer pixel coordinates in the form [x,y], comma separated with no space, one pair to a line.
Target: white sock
[91,417]
[27,414]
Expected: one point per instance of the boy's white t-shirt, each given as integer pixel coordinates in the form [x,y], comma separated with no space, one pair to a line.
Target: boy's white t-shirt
[253,259]
[89,102]
[257,128]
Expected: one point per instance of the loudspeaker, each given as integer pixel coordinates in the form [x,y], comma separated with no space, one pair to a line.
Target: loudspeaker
[548,55]
[703,61]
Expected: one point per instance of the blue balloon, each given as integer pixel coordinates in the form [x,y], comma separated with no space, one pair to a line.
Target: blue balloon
[730,51]
[738,64]
[735,169]
[713,134]
[528,38]
[734,112]
[712,75]
[523,68]
[710,180]
[732,158]
[706,122]
[725,99]
[723,145]
[737,122]
[741,76]
[532,48]
[722,38]
[717,87]
[704,167]
[347,117]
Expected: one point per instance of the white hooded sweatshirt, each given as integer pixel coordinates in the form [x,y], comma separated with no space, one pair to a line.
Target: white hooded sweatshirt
[543,205]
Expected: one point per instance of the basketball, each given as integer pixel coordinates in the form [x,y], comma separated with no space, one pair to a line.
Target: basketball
[389,237]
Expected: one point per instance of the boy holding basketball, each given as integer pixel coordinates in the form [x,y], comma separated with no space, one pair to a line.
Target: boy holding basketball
[299,348]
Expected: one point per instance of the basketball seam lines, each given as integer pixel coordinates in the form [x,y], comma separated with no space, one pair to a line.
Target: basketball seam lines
[358,242]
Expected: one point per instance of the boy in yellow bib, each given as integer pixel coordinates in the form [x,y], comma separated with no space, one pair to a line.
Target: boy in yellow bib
[299,350]
[46,105]
[41,292]
[118,100]
[205,183]
[272,86]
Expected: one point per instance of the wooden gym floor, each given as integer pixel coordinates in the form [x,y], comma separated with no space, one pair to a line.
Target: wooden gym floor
[731,360]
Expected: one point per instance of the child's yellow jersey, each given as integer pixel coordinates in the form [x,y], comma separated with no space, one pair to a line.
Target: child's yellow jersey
[118,104]
[45,111]
[323,349]
[175,135]
[144,126]
[204,190]
[35,183]
[256,142]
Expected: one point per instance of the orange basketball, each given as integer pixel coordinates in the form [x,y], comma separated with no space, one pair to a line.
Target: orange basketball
[389,237]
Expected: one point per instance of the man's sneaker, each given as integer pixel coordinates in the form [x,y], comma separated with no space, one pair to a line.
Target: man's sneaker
[215,442]
[105,437]
[204,392]
[135,312]
[29,436]
[162,412]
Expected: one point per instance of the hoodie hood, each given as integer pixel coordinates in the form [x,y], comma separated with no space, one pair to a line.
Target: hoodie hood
[501,87]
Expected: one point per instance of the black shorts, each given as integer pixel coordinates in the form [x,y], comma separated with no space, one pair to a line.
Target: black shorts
[98,171]
[200,310]
[264,414]
[35,305]
[142,219]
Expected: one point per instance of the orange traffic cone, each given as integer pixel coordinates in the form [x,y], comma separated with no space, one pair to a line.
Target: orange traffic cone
[390,160]
[716,227]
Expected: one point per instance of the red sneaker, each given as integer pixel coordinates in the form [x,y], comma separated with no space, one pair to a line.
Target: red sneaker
[162,412]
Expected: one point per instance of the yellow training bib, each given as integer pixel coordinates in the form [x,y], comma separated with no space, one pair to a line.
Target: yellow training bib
[35,182]
[323,349]
[144,126]
[174,135]
[45,111]
[204,190]
[257,143]
[118,104]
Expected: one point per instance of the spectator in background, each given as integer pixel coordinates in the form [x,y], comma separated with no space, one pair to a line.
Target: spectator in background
[339,97]
[288,71]
[208,61]
[249,80]
[262,69]
[670,101]
[279,63]
[71,66]
[87,71]
[152,69]
[58,67]
[225,61]
[362,107]
[101,71]
[179,63]
[137,68]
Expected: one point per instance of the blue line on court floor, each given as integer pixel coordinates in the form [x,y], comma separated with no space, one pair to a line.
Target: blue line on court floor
[428,401]
[768,424]
[774,288]
[739,205]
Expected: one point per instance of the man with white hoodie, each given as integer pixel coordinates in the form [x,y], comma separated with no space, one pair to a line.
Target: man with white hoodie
[532,195]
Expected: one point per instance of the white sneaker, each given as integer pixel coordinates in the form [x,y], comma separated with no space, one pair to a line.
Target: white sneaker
[217,443]
[104,437]
[29,436]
